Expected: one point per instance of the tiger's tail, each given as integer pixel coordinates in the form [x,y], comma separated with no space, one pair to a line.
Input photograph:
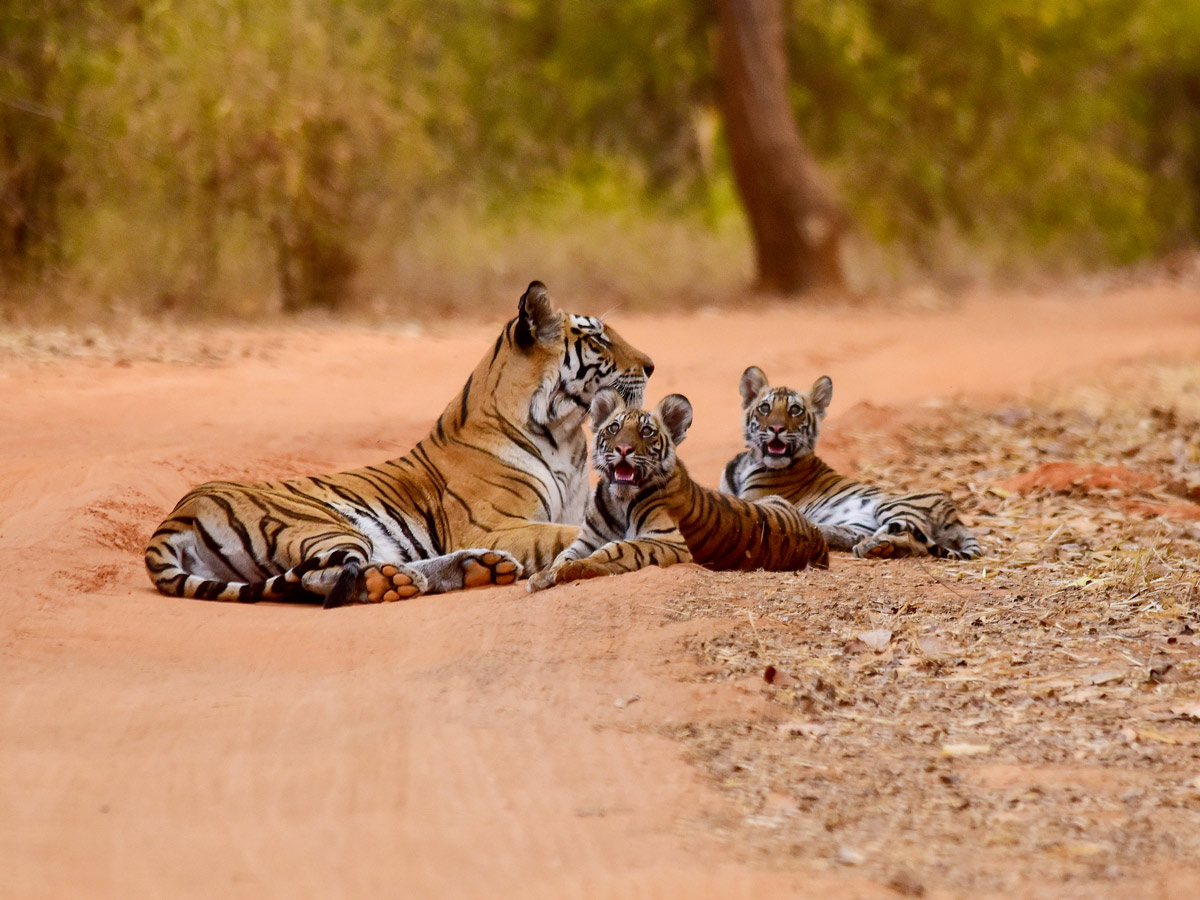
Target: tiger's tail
[165,567]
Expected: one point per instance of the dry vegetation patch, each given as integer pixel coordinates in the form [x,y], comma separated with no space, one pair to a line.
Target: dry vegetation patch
[1026,722]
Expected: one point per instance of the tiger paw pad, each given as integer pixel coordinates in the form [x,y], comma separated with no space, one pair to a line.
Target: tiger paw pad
[387,584]
[492,567]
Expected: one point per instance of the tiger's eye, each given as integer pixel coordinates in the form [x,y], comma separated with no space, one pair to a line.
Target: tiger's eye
[794,410]
[614,427]
[764,408]
[647,431]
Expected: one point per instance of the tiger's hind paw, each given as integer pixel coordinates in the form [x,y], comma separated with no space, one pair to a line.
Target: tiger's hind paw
[484,567]
[387,584]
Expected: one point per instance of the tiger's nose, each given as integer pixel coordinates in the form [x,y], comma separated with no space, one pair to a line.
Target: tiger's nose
[777,429]
[648,368]
[624,449]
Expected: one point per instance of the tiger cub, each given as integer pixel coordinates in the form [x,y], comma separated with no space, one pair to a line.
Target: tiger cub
[781,429]
[647,511]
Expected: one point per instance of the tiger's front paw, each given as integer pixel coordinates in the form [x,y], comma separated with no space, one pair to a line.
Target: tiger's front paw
[484,567]
[889,546]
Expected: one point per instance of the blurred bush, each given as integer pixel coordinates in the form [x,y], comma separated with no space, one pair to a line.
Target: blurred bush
[239,157]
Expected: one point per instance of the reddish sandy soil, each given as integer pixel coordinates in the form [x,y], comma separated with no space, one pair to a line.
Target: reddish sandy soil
[460,746]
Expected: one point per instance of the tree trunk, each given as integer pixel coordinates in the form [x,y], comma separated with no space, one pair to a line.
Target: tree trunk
[794,216]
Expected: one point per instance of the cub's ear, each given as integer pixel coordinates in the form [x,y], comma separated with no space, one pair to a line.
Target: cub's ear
[676,414]
[821,394]
[538,322]
[753,383]
[606,404]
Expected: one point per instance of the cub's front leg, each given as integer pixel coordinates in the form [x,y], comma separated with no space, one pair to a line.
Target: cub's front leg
[608,544]
[614,558]
[890,544]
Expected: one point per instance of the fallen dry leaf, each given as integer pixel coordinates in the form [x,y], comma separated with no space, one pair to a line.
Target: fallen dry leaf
[1149,734]
[808,729]
[1187,711]
[956,750]
[1168,673]
[773,676]
[1079,849]
[850,856]
[877,639]
[906,884]
[934,645]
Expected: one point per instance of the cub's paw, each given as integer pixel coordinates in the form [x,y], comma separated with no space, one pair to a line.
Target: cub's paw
[889,546]
[484,567]
[875,548]
[578,570]
[387,584]
[539,581]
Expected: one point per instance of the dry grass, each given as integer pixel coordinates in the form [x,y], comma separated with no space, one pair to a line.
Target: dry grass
[1024,723]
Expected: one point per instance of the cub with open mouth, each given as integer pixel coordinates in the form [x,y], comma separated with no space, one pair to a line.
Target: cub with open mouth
[781,427]
[647,511]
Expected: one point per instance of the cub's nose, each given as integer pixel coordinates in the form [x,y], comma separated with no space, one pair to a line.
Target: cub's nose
[648,368]
[776,429]
[624,449]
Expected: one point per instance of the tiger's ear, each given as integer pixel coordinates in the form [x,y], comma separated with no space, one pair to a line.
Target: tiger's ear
[538,322]
[753,383]
[676,414]
[821,395]
[605,405]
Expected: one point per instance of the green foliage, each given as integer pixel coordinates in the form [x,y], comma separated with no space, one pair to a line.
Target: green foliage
[231,155]
[1022,122]
[39,64]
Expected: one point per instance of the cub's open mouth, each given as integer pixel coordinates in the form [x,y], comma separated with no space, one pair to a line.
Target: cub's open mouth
[776,447]
[624,473]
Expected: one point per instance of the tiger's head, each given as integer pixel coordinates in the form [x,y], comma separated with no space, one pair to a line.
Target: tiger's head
[781,425]
[579,356]
[634,448]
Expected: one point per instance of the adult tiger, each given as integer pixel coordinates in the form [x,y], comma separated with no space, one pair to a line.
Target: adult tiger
[781,429]
[487,493]
[646,510]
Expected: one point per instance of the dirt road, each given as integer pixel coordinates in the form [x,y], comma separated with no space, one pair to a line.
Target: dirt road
[485,744]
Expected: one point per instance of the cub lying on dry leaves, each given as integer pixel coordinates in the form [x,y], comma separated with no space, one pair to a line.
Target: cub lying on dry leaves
[647,511]
[781,428]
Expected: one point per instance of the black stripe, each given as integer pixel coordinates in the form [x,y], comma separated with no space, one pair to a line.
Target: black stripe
[466,393]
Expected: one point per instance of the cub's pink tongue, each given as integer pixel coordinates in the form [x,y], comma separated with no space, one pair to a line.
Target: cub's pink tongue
[776,446]
[623,471]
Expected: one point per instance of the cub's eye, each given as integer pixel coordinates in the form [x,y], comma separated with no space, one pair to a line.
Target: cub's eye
[764,408]
[647,431]
[614,428]
[794,410]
